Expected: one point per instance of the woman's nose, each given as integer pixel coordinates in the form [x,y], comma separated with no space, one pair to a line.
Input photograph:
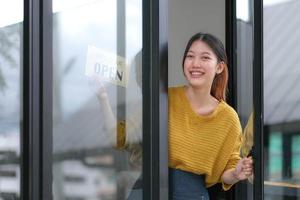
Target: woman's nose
[197,62]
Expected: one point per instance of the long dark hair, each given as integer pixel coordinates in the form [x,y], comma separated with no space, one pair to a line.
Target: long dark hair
[219,85]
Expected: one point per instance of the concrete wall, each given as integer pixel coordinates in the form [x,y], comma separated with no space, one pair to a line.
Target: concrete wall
[185,19]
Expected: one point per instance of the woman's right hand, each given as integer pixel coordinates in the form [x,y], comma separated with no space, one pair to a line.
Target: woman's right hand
[244,169]
[97,85]
[108,119]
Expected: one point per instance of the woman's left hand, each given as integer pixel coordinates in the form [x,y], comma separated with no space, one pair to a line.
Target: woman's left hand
[244,169]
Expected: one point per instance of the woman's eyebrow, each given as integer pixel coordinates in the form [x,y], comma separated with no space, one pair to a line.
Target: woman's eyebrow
[206,52]
[190,51]
[202,53]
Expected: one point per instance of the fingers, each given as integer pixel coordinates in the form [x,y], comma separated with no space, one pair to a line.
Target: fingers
[247,167]
[248,171]
[97,85]
[247,160]
[96,80]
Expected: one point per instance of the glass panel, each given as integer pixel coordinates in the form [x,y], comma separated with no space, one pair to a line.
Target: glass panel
[281,99]
[11,27]
[245,84]
[97,99]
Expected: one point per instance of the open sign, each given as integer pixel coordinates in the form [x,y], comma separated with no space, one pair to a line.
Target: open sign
[107,66]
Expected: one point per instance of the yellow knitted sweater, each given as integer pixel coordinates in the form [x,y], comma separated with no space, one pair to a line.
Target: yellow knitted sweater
[206,145]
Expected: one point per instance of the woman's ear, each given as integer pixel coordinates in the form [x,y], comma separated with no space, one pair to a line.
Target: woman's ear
[220,67]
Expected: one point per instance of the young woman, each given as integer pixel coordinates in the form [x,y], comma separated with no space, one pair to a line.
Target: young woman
[204,131]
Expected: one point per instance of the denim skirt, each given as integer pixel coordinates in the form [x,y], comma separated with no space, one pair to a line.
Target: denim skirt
[186,186]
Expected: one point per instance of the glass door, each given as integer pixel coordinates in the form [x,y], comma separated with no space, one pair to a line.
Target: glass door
[11,90]
[97,99]
[274,122]
[244,86]
[109,101]
[83,107]
[249,92]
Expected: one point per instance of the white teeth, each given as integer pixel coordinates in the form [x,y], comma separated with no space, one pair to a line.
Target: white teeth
[196,73]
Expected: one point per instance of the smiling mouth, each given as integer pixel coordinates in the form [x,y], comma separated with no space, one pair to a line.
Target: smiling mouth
[196,74]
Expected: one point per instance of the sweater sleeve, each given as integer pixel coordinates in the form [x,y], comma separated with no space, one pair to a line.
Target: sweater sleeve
[121,134]
[129,138]
[129,132]
[233,159]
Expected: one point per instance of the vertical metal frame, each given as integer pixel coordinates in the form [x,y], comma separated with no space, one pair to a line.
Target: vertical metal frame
[258,190]
[155,106]
[231,46]
[36,133]
[257,11]
[47,104]
[121,93]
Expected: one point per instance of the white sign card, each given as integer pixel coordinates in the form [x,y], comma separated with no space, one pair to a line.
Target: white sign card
[107,66]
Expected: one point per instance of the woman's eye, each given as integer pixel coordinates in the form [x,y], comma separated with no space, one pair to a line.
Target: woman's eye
[205,58]
[189,56]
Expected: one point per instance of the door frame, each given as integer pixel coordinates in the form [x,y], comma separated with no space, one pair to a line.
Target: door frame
[36,125]
[155,102]
[256,9]
[258,101]
[37,135]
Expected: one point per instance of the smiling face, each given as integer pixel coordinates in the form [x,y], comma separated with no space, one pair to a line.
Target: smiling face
[201,65]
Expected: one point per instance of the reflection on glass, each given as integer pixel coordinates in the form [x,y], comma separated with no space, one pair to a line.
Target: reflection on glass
[281,99]
[245,85]
[10,98]
[97,100]
[242,10]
